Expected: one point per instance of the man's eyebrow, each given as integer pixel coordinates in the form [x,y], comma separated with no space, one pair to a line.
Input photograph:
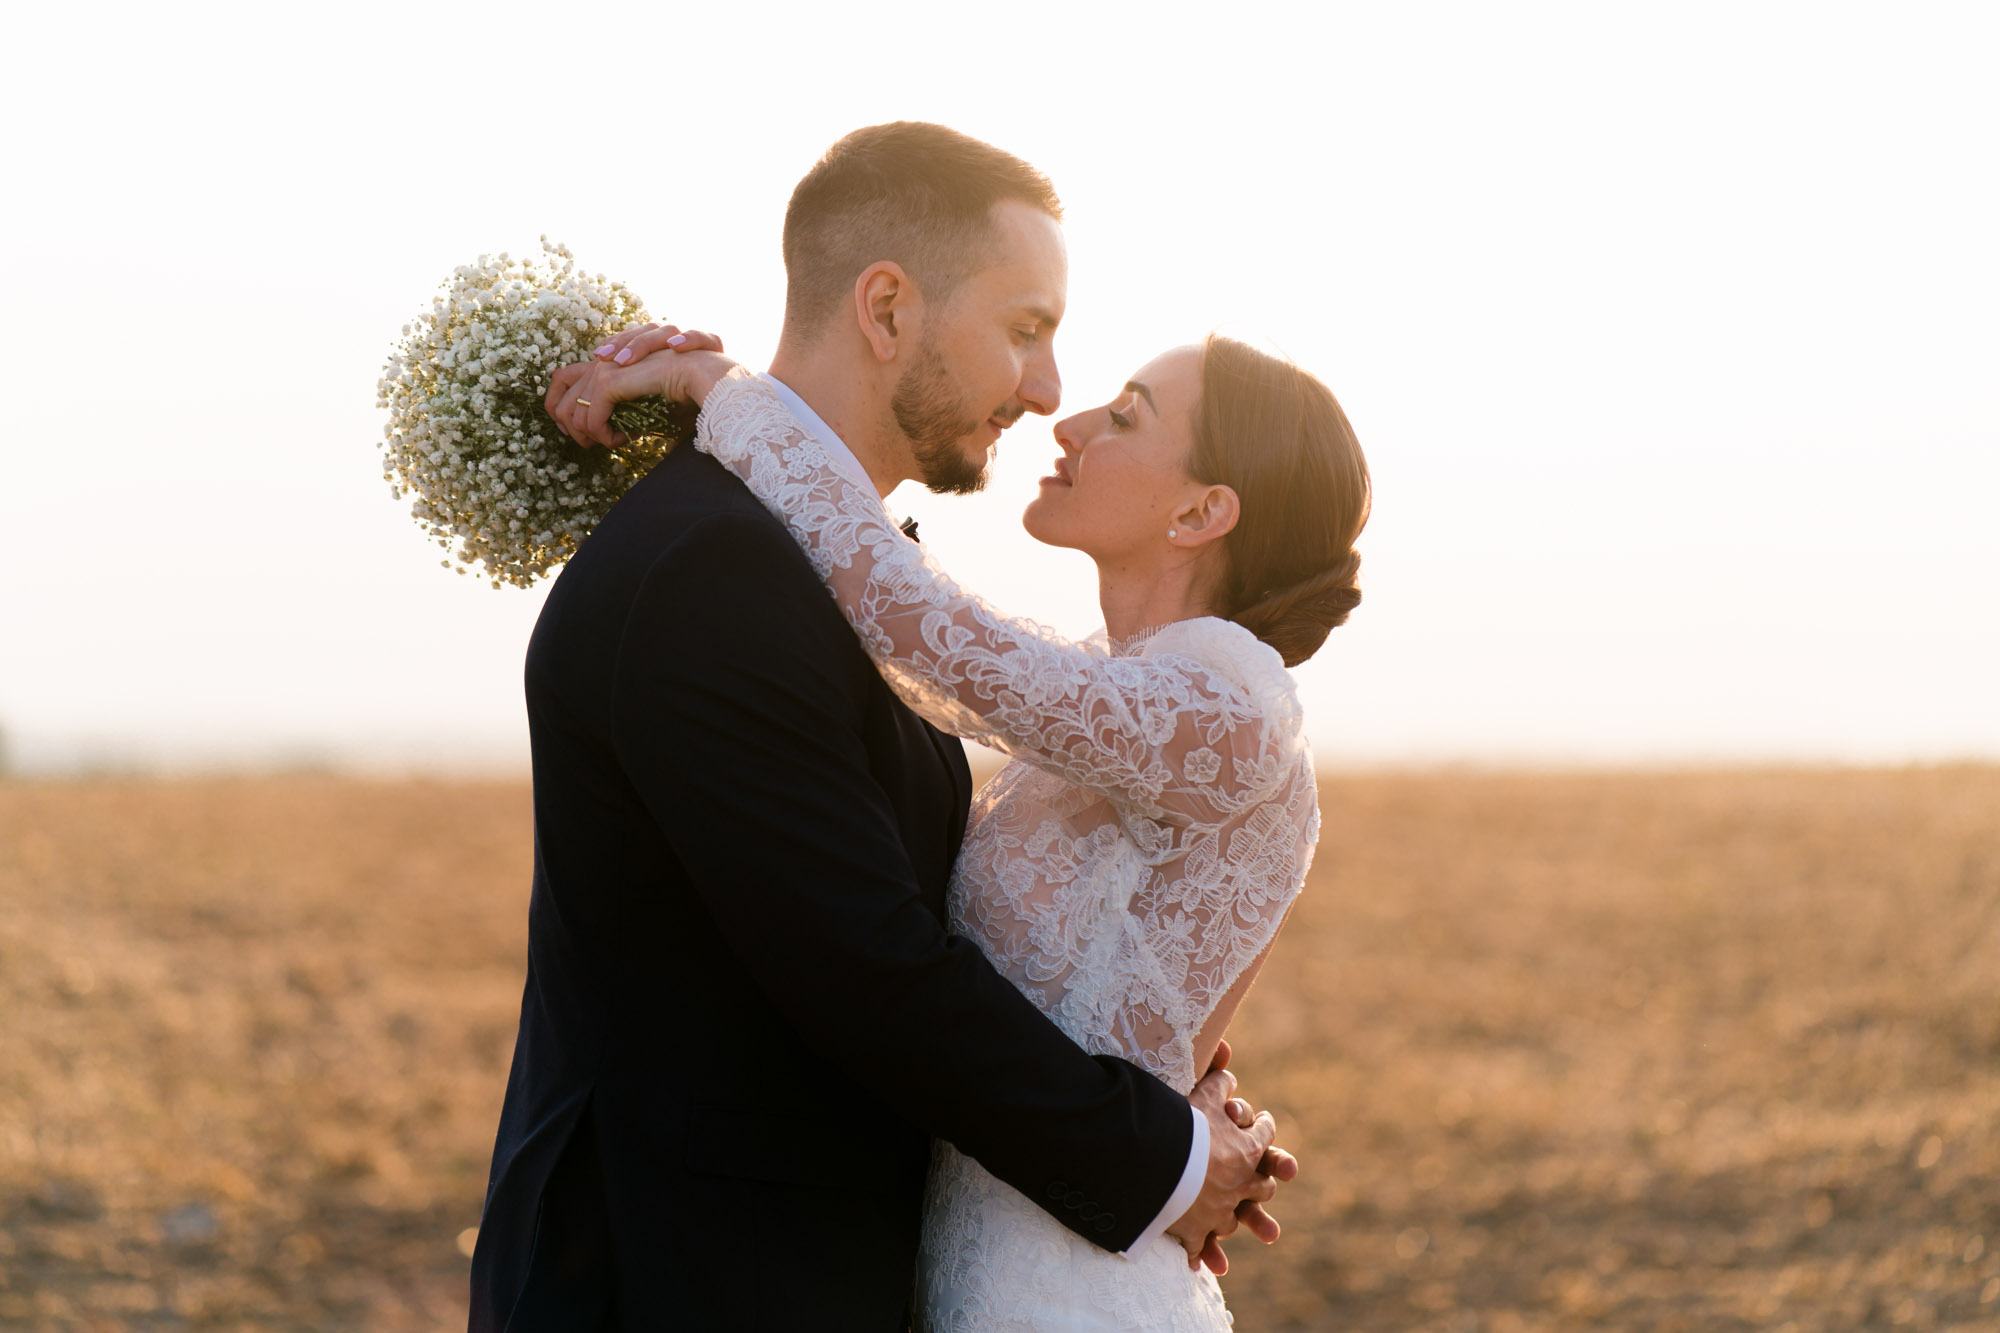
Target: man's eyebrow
[1145,393]
[1043,315]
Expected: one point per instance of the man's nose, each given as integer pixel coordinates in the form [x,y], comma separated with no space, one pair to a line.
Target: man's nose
[1041,386]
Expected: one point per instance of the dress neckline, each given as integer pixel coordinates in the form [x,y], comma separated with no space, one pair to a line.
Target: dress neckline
[1130,645]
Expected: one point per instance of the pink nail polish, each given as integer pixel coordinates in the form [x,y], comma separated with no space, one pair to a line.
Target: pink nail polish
[601,350]
[677,340]
[623,356]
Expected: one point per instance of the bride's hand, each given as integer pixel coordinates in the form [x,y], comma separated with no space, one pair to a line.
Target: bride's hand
[642,340]
[581,396]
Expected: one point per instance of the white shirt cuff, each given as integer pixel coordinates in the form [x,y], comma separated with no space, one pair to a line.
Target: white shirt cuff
[1184,1193]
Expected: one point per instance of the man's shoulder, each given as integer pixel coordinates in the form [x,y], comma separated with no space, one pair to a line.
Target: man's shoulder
[686,487]
[687,545]
[686,502]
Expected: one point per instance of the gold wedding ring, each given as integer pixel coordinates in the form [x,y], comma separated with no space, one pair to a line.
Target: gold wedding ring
[583,402]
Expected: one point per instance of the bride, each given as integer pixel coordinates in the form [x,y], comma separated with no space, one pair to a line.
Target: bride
[1130,867]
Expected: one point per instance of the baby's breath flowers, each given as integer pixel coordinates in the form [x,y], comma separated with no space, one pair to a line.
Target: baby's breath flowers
[467,432]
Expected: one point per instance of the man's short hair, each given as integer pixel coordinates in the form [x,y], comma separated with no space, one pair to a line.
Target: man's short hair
[918,194]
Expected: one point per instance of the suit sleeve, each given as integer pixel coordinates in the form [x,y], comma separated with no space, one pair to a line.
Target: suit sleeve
[738,717]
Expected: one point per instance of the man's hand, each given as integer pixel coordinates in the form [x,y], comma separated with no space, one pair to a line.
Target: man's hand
[581,396]
[1244,1169]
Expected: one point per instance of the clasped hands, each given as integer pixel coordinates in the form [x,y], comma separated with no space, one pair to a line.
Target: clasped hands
[1245,1167]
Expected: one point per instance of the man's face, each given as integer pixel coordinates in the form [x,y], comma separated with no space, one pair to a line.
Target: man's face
[988,356]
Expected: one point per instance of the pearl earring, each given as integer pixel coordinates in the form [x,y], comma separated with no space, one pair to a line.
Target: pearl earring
[1171,534]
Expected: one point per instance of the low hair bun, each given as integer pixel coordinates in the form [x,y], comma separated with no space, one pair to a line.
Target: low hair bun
[1296,620]
[1278,438]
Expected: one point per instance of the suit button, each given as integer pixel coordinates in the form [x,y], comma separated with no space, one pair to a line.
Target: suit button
[1104,1223]
[1073,1199]
[1058,1188]
[1089,1211]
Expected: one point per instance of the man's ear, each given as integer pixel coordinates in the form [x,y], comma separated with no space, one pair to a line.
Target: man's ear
[1209,517]
[887,306]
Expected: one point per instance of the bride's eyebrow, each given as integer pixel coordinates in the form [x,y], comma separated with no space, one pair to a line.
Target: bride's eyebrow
[1133,386]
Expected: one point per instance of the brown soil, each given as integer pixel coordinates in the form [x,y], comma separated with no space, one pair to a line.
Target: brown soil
[1707,1051]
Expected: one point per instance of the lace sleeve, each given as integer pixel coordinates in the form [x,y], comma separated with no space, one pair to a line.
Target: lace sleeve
[1165,734]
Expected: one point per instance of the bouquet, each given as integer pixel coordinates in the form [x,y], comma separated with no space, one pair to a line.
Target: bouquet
[467,432]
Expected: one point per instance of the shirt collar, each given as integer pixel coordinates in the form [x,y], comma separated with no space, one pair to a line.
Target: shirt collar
[836,448]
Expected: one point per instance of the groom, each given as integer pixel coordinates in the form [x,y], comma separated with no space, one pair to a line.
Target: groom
[744,1020]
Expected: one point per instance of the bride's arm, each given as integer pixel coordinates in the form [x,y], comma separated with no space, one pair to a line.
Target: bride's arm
[1164,732]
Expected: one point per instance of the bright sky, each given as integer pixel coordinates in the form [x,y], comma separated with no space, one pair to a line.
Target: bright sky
[1669,331]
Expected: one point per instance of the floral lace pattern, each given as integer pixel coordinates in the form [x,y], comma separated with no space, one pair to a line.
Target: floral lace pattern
[1137,855]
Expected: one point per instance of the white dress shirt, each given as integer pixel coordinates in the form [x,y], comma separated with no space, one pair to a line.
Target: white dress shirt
[1196,1169]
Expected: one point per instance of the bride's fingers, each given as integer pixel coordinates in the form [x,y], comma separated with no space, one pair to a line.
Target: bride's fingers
[559,387]
[637,348]
[1262,1225]
[606,393]
[609,348]
[583,400]
[696,340]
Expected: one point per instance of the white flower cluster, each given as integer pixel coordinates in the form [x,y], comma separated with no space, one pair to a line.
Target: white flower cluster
[468,435]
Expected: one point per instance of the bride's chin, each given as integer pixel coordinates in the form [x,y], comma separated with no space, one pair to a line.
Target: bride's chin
[1047,533]
[1035,522]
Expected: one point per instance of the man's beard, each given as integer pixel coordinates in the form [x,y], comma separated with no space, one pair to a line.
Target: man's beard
[934,419]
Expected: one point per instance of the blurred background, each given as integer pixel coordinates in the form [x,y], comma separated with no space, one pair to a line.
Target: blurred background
[1669,335]
[1648,974]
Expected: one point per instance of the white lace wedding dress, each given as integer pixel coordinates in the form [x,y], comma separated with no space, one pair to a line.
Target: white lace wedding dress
[1139,852]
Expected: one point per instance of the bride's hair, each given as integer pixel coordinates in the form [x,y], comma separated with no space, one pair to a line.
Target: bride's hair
[1277,437]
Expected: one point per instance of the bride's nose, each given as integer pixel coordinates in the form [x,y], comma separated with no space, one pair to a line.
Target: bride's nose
[1067,432]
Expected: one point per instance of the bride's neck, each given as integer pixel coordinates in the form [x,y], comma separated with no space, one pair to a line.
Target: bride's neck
[1135,599]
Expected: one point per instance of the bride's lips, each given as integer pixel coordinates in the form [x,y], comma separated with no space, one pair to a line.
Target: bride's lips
[1060,475]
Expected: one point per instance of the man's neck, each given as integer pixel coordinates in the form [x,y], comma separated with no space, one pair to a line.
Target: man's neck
[846,404]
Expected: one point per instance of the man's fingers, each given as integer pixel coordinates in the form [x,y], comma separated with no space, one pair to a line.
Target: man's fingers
[1221,1081]
[1262,1225]
[1279,1164]
[1264,1129]
[1260,1190]
[1213,1258]
[1239,1112]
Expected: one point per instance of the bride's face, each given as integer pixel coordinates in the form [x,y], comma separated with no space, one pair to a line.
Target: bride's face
[1122,477]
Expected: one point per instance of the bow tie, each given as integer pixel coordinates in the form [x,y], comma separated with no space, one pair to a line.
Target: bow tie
[909,528]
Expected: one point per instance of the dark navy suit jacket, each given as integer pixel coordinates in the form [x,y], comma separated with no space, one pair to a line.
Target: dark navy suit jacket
[744,1019]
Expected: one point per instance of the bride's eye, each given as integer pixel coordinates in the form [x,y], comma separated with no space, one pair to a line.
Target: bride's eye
[1119,419]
